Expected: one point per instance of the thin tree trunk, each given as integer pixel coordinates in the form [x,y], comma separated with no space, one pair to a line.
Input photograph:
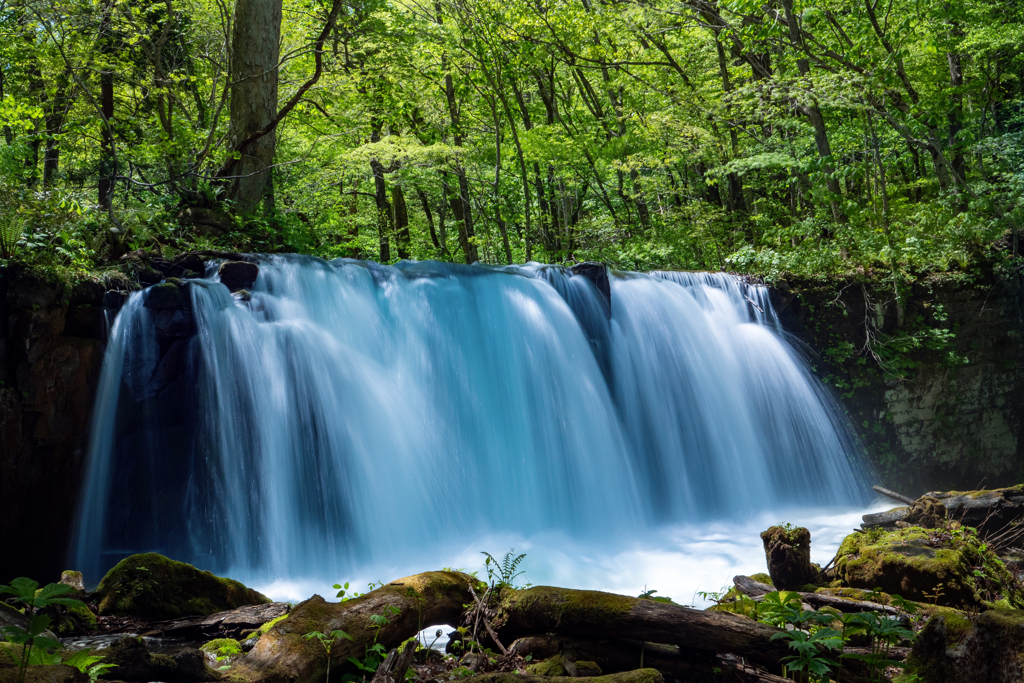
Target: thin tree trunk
[401,221]
[255,44]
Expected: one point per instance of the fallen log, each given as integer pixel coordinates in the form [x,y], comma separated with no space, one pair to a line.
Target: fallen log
[615,656]
[895,496]
[987,510]
[230,624]
[593,614]
[283,654]
[757,591]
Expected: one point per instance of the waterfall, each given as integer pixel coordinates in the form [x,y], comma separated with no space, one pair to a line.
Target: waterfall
[348,411]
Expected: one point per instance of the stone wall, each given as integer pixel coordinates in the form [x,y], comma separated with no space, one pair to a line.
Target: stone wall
[946,417]
[51,348]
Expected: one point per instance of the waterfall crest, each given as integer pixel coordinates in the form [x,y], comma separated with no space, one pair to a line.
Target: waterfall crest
[348,411]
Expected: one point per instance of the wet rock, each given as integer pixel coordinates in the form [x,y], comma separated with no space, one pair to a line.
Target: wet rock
[167,295]
[788,552]
[113,301]
[936,566]
[173,323]
[86,321]
[136,664]
[236,275]
[87,292]
[597,273]
[151,586]
[147,274]
[73,579]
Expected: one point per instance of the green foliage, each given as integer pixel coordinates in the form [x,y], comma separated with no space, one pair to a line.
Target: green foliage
[36,646]
[818,645]
[503,574]
[652,157]
[89,664]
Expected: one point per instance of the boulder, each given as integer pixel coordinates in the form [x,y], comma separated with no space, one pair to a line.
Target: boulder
[992,651]
[788,552]
[73,579]
[949,567]
[236,275]
[167,295]
[136,664]
[151,586]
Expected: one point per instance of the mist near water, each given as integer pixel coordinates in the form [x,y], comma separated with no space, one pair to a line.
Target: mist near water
[352,416]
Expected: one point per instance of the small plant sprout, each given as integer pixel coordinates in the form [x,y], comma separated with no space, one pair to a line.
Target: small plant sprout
[327,641]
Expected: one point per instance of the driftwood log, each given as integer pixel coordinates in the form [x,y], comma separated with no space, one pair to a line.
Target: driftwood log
[757,590]
[230,624]
[282,654]
[987,510]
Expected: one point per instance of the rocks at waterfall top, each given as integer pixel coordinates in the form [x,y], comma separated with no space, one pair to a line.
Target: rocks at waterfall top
[151,586]
[788,553]
[236,275]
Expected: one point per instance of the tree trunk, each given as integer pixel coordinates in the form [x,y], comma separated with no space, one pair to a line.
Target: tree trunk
[255,42]
[108,163]
[401,219]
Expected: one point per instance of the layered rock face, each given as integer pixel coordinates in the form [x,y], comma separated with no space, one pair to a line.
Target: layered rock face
[936,401]
[51,349]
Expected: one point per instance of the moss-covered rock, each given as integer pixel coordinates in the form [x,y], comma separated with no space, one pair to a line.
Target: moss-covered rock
[552,666]
[222,647]
[151,586]
[587,669]
[788,553]
[946,566]
[44,674]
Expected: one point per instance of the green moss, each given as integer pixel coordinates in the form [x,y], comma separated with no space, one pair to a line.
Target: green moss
[76,618]
[152,586]
[222,647]
[264,628]
[763,578]
[10,654]
[938,566]
[552,666]
[587,669]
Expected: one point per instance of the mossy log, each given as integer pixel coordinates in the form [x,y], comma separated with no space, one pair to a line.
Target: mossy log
[593,614]
[988,510]
[283,655]
[229,624]
[817,600]
[616,656]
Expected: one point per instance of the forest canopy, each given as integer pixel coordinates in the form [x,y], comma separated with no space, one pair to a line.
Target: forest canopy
[769,137]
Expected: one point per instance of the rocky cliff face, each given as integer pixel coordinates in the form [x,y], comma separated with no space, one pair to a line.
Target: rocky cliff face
[51,348]
[938,401]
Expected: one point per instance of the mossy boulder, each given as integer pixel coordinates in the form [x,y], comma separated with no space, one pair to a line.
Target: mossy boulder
[946,566]
[151,586]
[552,666]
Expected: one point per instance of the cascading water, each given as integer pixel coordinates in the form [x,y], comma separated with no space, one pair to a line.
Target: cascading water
[350,411]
